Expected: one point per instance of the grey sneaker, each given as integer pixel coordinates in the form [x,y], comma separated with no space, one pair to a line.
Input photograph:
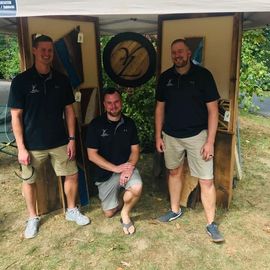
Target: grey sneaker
[170,216]
[31,229]
[212,230]
[75,215]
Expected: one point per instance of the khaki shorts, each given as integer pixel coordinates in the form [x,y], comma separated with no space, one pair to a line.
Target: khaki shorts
[175,149]
[108,191]
[59,160]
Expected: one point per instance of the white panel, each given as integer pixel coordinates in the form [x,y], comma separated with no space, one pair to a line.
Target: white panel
[102,7]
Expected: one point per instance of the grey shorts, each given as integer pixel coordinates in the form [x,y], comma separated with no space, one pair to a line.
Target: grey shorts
[174,154]
[108,191]
[59,160]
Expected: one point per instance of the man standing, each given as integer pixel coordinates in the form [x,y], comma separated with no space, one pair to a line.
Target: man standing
[113,145]
[186,119]
[38,99]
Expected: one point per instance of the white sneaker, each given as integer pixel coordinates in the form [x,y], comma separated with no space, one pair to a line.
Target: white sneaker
[75,215]
[32,226]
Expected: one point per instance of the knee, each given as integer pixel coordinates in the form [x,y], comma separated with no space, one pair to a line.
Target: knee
[72,178]
[109,213]
[136,190]
[175,172]
[206,184]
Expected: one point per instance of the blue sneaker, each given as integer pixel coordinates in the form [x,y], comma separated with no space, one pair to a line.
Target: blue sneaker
[212,230]
[170,216]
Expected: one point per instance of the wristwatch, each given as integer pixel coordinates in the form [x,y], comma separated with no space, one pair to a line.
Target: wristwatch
[71,138]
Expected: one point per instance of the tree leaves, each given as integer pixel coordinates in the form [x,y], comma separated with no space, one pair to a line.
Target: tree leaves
[9,56]
[255,66]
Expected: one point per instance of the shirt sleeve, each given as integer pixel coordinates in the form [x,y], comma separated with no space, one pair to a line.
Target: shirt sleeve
[91,136]
[210,88]
[159,90]
[16,97]
[69,97]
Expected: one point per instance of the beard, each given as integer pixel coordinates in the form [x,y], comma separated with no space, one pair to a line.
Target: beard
[182,63]
[114,114]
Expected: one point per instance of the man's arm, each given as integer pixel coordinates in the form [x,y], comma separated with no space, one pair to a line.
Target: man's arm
[17,127]
[159,119]
[208,148]
[70,121]
[101,162]
[134,155]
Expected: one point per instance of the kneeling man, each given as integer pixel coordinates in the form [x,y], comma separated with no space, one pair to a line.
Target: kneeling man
[113,145]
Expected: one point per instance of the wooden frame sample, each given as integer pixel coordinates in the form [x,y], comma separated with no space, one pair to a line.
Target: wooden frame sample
[221,57]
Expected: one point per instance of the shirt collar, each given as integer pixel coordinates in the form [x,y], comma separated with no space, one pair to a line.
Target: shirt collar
[121,121]
[39,76]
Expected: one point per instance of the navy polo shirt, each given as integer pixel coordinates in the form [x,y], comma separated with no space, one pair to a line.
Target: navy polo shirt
[43,100]
[185,98]
[113,141]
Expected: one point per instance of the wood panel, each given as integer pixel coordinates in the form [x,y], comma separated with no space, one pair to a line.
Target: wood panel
[190,183]
[224,167]
[225,115]
[48,197]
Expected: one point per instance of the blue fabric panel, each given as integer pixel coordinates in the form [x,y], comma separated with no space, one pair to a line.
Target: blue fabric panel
[63,54]
[84,200]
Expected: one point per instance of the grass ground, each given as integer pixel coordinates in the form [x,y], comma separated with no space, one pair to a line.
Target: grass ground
[182,244]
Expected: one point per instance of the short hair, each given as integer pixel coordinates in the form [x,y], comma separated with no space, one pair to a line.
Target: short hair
[41,38]
[109,91]
[180,40]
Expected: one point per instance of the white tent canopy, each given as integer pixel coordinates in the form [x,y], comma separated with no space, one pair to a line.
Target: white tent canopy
[134,15]
[120,7]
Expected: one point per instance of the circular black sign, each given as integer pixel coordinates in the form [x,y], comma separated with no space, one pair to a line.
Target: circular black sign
[129,59]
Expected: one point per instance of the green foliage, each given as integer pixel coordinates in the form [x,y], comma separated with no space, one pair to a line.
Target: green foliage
[9,56]
[138,103]
[255,66]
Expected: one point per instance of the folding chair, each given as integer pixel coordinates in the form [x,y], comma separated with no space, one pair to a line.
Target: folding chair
[7,139]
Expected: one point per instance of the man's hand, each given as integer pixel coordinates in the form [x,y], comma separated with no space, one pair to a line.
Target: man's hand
[124,167]
[160,146]
[24,157]
[125,170]
[207,151]
[71,150]
[125,176]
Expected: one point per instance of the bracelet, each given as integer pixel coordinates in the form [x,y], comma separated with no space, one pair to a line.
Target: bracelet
[71,138]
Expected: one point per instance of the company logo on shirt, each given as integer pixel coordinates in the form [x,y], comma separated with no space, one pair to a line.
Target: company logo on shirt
[104,133]
[169,83]
[34,89]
